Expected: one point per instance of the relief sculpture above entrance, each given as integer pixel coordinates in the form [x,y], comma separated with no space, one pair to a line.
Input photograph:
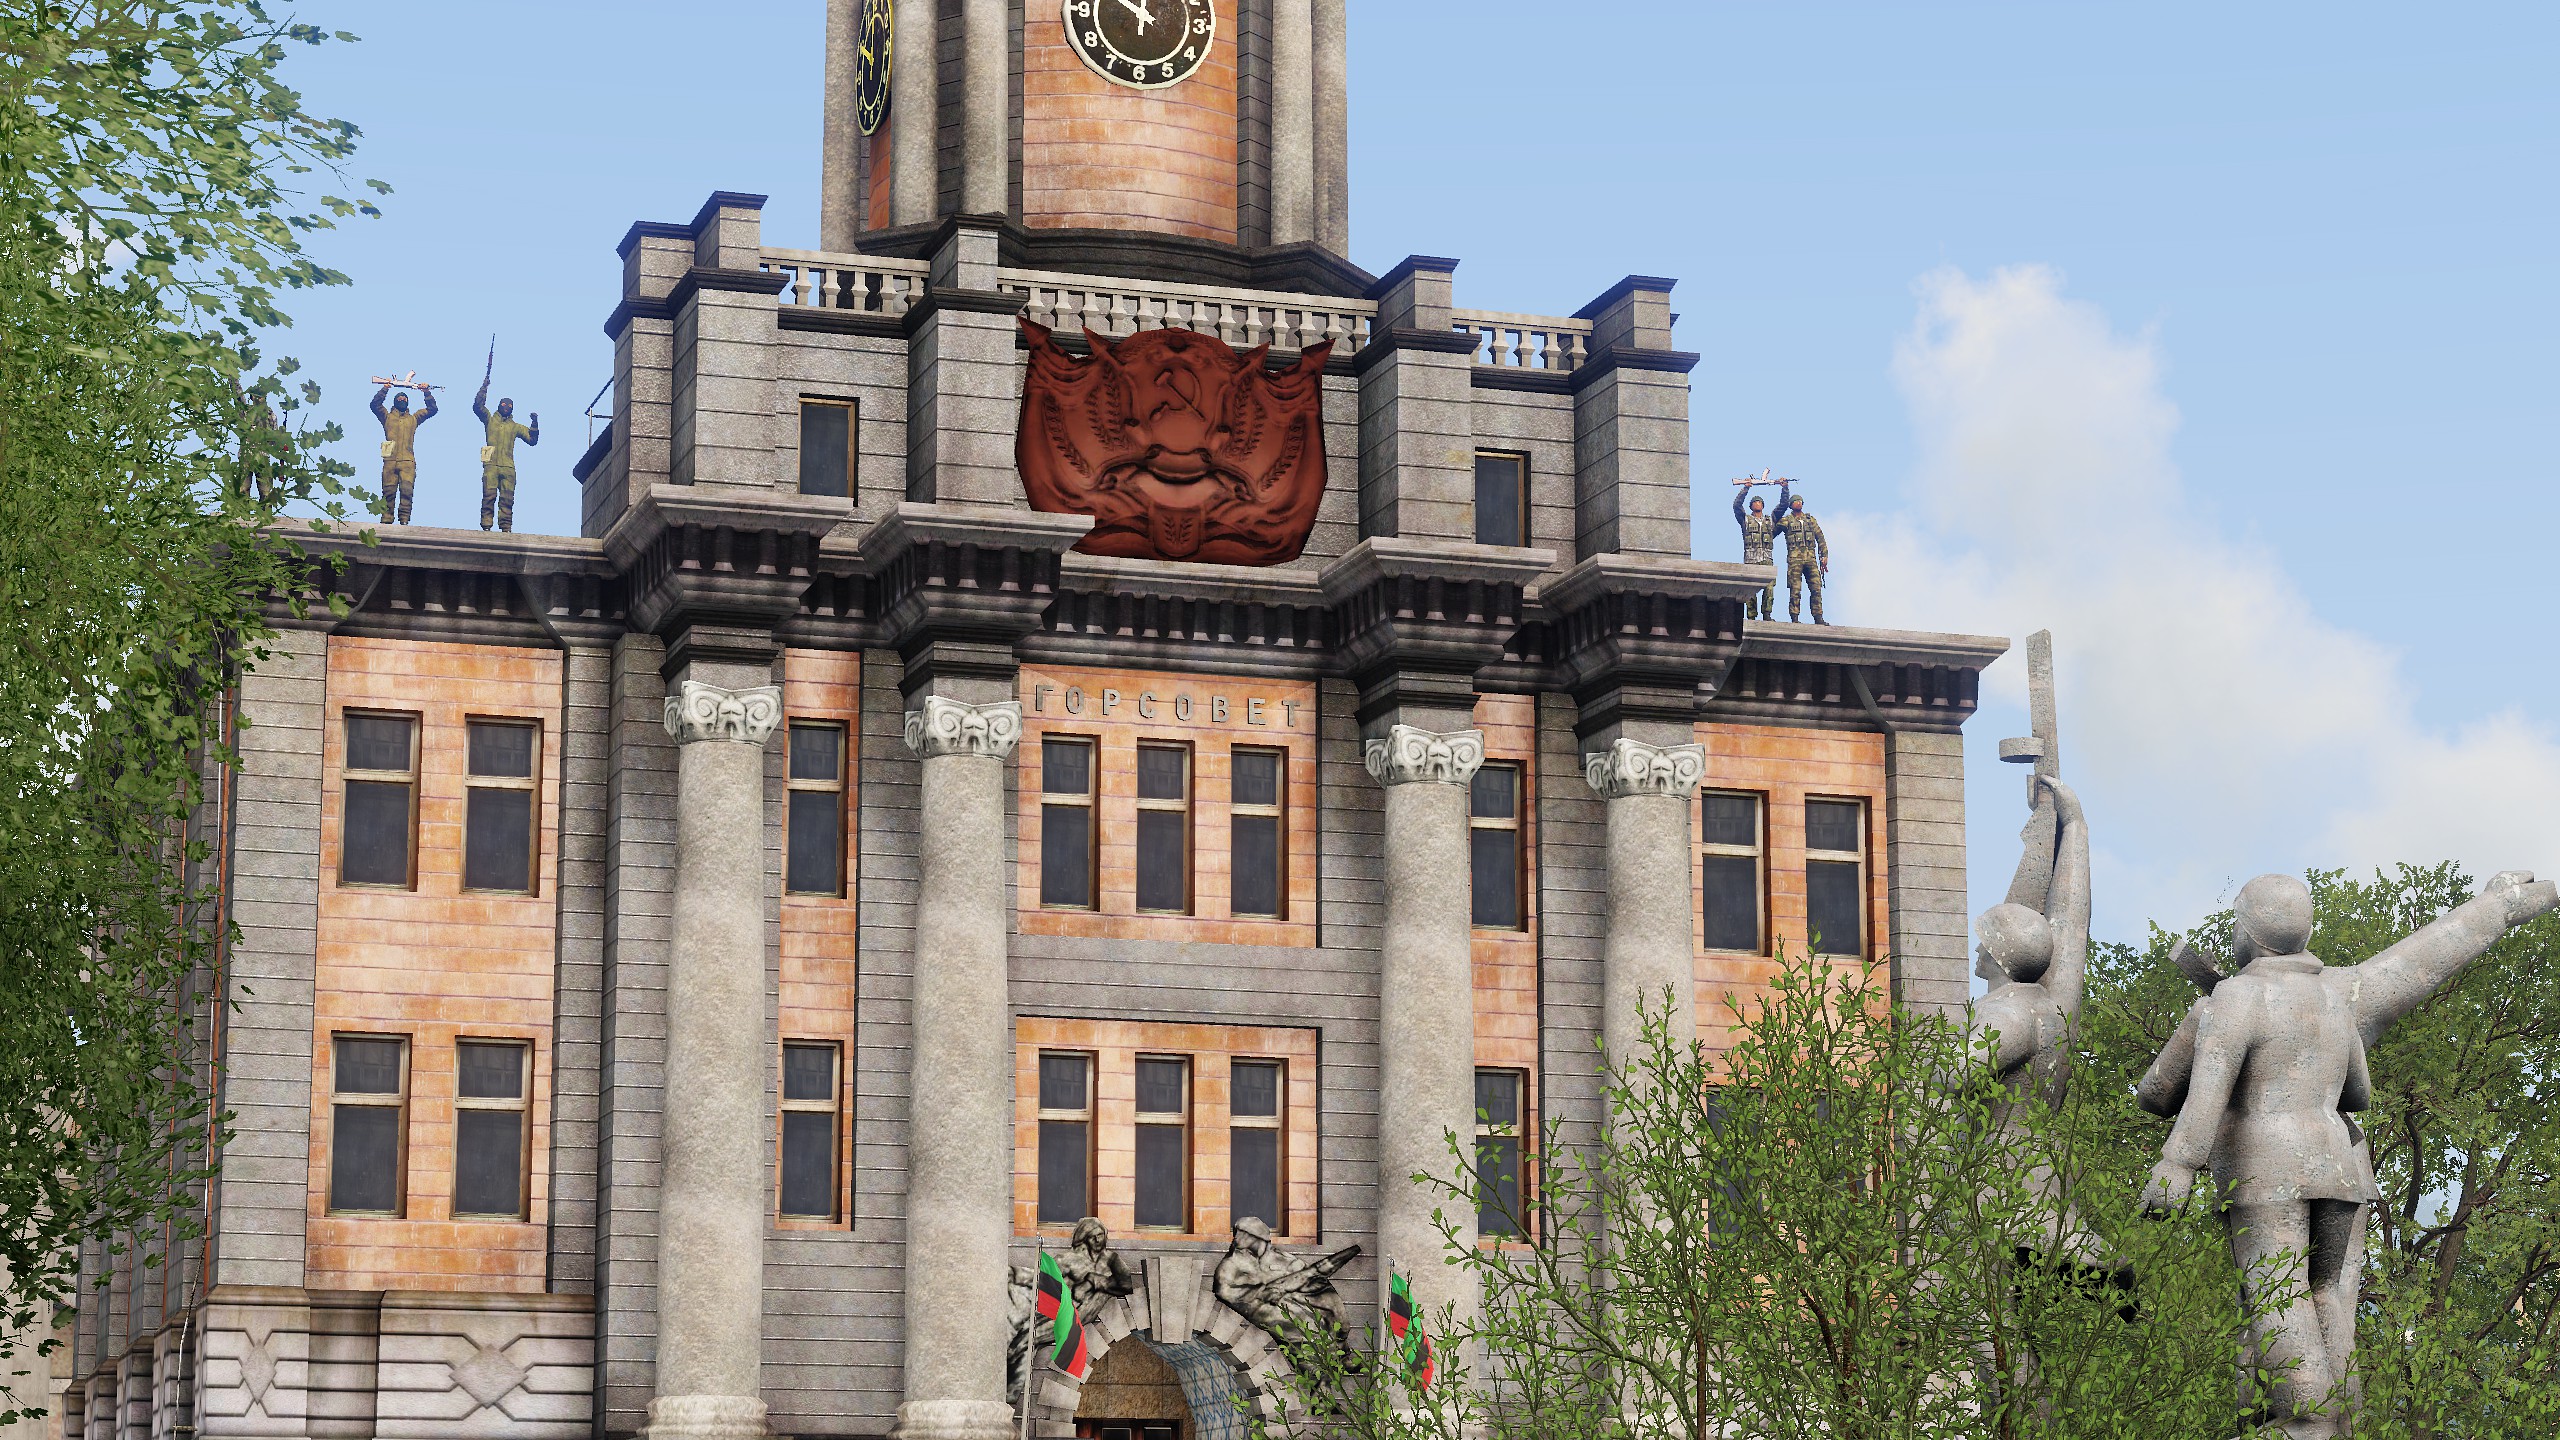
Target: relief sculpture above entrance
[1178,446]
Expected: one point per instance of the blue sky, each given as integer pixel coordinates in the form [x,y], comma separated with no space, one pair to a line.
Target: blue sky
[2218,338]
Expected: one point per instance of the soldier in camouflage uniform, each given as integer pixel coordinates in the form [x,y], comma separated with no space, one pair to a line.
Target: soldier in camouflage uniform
[498,457]
[1759,537]
[400,450]
[1808,558]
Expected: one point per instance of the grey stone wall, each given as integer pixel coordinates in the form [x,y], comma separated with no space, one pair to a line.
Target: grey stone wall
[577,1024]
[1539,425]
[1924,850]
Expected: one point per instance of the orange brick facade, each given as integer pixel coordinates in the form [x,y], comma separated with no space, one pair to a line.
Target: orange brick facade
[1115,1046]
[1096,154]
[818,989]
[434,965]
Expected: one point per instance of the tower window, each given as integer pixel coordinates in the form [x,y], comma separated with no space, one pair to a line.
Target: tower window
[1164,828]
[488,1128]
[1835,875]
[1067,776]
[817,809]
[1733,871]
[1502,498]
[826,447]
[497,828]
[368,1114]
[1493,841]
[812,1109]
[378,823]
[1256,1143]
[1258,864]
[1499,1193]
[1066,1137]
[1164,1143]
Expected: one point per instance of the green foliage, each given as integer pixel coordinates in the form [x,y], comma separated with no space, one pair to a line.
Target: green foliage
[2456,1335]
[1825,1231]
[149,222]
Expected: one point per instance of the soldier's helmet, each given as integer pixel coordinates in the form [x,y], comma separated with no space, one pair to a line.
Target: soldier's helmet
[2017,940]
[2273,916]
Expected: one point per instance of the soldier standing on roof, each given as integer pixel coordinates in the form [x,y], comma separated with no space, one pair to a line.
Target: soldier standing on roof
[498,457]
[1759,537]
[400,449]
[1808,558]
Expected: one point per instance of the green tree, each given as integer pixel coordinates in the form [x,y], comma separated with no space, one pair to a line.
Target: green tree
[2457,1334]
[152,214]
[1817,1233]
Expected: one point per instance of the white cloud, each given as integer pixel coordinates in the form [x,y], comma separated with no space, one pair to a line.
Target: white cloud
[2217,725]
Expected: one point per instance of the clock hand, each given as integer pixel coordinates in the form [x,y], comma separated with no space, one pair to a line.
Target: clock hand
[1138,8]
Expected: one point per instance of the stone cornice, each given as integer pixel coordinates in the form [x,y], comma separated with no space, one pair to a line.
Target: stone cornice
[954,587]
[1408,755]
[1177,614]
[1413,621]
[1636,639]
[694,281]
[939,725]
[1632,767]
[1810,675]
[696,711]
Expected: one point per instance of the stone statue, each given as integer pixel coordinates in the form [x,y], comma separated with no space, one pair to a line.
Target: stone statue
[2036,960]
[1759,538]
[1808,557]
[2261,1075]
[498,457]
[1095,1273]
[1285,1296]
[400,444]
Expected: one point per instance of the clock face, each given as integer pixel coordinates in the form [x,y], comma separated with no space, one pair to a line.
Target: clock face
[871,65]
[1144,44]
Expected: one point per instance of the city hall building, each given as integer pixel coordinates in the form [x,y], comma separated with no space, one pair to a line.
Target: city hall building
[1070,699]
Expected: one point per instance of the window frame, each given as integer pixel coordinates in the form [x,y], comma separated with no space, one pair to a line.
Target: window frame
[1178,1120]
[348,774]
[1087,1116]
[1757,852]
[1519,463]
[1277,811]
[852,446]
[1186,807]
[530,781]
[1090,801]
[521,1104]
[841,787]
[838,1207]
[396,1101]
[1518,1131]
[1277,1122]
[1856,859]
[1516,823]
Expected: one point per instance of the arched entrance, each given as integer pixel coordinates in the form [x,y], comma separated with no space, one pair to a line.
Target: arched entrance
[1220,1365]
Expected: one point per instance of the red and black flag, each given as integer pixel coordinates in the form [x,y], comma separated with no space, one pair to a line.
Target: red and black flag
[1057,1306]
[1406,1339]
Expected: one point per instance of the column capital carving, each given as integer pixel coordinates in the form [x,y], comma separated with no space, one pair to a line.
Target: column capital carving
[1632,767]
[939,725]
[696,711]
[1409,753]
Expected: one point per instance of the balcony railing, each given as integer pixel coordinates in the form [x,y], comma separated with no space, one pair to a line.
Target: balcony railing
[1526,342]
[872,284]
[1246,318]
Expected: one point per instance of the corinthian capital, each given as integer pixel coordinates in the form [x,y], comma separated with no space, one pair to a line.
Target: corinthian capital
[941,726]
[1409,754]
[696,711]
[1631,767]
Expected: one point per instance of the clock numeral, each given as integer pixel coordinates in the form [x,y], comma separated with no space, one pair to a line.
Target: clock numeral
[1200,26]
[1091,39]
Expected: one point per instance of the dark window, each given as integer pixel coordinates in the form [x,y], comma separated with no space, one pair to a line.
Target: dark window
[369,1079]
[1256,862]
[810,1122]
[497,827]
[1502,499]
[1066,1138]
[826,447]
[1500,1196]
[817,809]
[378,822]
[1164,828]
[1731,870]
[1493,840]
[1066,822]
[489,1128]
[1255,1138]
[1164,1143]
[1835,876]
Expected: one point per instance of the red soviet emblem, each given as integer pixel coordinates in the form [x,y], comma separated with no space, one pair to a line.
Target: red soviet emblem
[1177,446]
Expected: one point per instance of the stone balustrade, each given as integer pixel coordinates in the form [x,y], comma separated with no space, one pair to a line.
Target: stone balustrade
[1246,318]
[1526,342]
[874,284]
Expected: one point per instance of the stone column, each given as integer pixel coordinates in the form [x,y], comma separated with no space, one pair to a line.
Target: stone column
[960,1140]
[1333,126]
[914,92]
[711,1203]
[840,207]
[1646,951]
[1293,123]
[986,69]
[1426,1007]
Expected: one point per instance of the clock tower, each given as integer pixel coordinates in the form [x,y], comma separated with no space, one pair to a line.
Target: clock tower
[1200,139]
